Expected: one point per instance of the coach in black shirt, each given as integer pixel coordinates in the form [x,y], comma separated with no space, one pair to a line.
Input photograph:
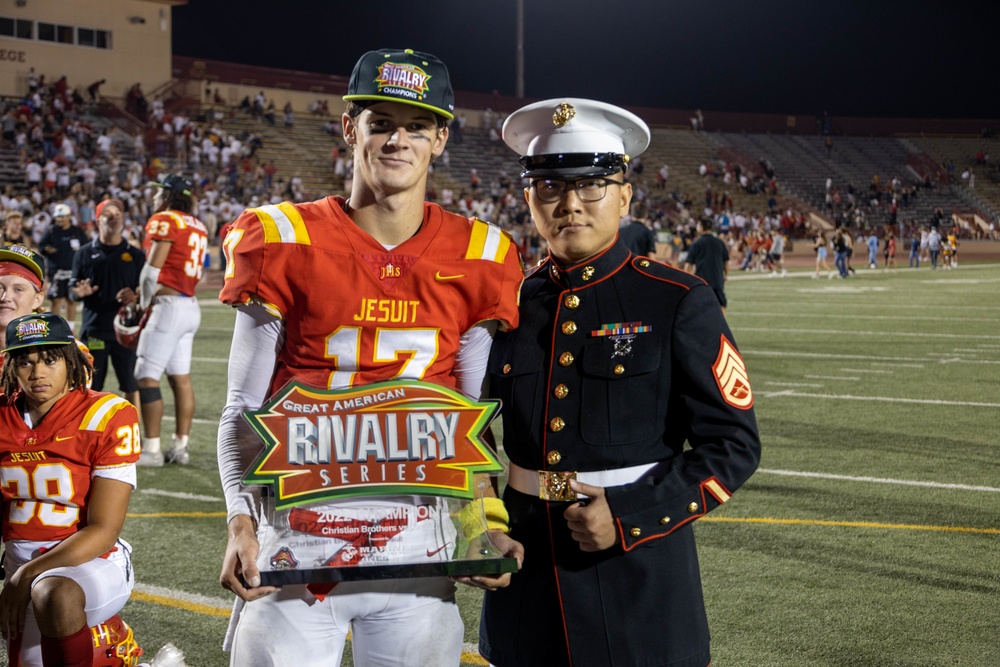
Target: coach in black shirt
[105,275]
[636,234]
[708,258]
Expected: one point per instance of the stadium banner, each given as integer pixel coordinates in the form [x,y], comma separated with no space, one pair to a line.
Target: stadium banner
[381,481]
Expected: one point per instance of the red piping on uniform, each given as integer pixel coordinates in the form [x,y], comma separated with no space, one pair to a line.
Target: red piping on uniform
[672,282]
[545,454]
[621,530]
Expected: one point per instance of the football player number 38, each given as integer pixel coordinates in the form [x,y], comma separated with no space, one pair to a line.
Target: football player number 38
[47,490]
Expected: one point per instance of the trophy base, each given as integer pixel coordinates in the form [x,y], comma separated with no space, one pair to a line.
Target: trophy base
[329,575]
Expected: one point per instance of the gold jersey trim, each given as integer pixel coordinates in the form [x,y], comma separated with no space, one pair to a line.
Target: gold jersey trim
[179,219]
[101,412]
[282,224]
[488,242]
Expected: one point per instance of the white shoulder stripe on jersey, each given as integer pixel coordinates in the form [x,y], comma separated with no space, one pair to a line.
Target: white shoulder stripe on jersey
[492,245]
[284,225]
[107,405]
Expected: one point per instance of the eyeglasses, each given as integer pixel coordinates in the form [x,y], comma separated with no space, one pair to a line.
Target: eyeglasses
[587,189]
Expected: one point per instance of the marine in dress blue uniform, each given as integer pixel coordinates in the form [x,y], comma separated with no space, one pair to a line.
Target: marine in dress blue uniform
[624,375]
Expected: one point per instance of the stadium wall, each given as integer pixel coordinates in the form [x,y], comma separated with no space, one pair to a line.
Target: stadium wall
[235,81]
[139,44]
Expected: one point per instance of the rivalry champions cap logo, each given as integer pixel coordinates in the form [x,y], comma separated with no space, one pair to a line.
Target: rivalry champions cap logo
[731,376]
[30,329]
[401,437]
[21,250]
[402,80]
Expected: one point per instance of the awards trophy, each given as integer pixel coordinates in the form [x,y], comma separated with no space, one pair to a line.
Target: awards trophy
[376,482]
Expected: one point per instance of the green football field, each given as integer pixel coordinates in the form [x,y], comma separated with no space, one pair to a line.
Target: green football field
[869,536]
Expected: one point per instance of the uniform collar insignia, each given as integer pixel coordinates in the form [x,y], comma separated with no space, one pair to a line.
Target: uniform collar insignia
[591,271]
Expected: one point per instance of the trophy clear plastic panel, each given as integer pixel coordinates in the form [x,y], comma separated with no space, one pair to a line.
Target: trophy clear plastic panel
[374,482]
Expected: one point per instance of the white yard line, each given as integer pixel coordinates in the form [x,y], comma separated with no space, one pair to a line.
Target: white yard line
[210,422]
[878,480]
[835,316]
[853,357]
[793,384]
[831,377]
[884,399]
[841,332]
[862,370]
[194,598]
[821,308]
[181,495]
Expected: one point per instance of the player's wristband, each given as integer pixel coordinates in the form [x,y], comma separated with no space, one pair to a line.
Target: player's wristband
[471,517]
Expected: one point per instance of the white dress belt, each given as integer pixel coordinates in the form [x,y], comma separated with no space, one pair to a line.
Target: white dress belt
[529,481]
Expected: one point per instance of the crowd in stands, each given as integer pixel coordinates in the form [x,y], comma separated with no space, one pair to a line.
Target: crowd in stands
[67,157]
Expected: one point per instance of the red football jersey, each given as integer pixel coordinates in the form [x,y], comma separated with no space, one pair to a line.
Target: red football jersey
[45,472]
[356,313]
[186,261]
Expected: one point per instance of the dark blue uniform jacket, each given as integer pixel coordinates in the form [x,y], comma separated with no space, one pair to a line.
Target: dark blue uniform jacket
[668,388]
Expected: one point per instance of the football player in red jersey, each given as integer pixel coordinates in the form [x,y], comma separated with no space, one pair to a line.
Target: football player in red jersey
[22,284]
[67,470]
[175,245]
[339,293]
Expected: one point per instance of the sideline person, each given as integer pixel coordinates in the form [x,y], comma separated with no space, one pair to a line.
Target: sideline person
[60,244]
[627,415]
[105,275]
[22,284]
[175,245]
[68,457]
[708,258]
[637,234]
[300,276]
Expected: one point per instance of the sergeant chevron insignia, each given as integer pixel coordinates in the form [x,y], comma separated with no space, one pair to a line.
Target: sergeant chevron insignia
[731,376]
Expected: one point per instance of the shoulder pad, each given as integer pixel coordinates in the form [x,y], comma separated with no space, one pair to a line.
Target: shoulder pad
[663,271]
[282,223]
[171,215]
[101,412]
[487,241]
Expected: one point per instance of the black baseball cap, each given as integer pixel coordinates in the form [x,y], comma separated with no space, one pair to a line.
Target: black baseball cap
[405,76]
[174,182]
[38,329]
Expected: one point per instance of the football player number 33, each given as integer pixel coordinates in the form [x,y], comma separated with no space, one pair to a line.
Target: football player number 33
[47,491]
[198,243]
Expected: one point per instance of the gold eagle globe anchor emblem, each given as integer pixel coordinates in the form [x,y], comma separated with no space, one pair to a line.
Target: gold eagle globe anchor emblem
[563,114]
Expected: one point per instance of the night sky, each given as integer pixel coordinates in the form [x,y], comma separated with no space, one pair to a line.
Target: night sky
[914,59]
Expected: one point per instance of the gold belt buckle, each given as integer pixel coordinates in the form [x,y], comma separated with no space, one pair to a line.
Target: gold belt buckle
[554,485]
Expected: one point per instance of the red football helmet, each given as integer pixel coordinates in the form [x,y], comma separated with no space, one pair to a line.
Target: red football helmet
[114,644]
[128,324]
